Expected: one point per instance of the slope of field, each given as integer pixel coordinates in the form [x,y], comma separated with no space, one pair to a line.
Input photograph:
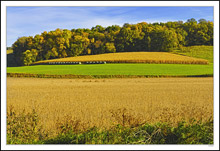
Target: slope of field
[116,69]
[133,57]
[102,102]
[203,52]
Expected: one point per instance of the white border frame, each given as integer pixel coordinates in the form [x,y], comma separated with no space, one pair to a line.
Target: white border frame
[215,4]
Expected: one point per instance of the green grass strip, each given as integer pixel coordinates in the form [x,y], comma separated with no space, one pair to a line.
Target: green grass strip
[116,70]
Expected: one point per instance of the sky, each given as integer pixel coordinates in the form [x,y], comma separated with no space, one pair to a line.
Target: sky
[29,21]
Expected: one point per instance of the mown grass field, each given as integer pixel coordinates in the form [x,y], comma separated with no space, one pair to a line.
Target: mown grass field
[203,52]
[116,69]
[133,57]
[62,104]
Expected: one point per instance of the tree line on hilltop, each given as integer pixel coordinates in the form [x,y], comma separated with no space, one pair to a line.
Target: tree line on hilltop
[98,40]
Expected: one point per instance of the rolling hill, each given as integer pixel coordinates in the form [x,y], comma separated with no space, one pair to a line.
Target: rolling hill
[131,57]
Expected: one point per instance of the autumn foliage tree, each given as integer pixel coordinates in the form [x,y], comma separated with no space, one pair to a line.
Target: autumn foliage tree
[97,40]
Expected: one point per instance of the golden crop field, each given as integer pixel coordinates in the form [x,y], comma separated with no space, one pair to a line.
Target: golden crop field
[106,102]
[133,57]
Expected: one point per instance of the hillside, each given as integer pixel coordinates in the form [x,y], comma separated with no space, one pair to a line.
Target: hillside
[203,52]
[130,57]
[62,43]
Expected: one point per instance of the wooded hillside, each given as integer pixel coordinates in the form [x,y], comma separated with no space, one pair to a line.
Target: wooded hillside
[143,36]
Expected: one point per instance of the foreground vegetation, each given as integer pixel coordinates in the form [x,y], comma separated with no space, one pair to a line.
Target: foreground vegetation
[24,128]
[104,103]
[98,40]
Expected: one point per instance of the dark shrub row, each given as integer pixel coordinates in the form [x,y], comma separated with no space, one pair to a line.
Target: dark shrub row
[70,76]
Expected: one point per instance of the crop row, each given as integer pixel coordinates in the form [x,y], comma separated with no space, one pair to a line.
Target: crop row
[132,57]
[70,62]
[127,61]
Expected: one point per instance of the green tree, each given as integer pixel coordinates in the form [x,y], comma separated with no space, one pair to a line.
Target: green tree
[29,56]
[78,45]
[163,39]
[110,48]
[18,48]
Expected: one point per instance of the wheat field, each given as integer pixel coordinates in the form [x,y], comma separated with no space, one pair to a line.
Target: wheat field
[104,102]
[132,57]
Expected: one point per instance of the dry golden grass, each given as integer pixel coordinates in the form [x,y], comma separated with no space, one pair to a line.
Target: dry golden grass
[9,51]
[133,57]
[104,102]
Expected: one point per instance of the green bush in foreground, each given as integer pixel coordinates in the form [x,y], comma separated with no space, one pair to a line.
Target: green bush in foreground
[161,133]
[25,129]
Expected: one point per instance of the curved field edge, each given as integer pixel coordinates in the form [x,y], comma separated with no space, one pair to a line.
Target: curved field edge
[115,70]
[131,57]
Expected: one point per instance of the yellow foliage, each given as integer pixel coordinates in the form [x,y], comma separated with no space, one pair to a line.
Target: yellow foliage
[89,51]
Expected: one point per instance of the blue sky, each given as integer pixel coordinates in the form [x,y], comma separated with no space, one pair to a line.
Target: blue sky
[29,21]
